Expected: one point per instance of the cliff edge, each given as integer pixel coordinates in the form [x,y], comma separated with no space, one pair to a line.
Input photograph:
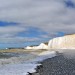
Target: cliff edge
[64,42]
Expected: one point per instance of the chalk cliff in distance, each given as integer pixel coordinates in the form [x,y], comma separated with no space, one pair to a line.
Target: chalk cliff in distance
[64,42]
[41,46]
[28,47]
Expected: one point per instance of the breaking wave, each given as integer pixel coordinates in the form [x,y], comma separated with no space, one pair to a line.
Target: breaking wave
[23,63]
[12,58]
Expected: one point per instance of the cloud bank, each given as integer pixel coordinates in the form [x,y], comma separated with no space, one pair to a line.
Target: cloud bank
[51,16]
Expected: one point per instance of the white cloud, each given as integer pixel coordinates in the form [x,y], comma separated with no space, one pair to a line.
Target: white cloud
[50,15]
[17,40]
[11,29]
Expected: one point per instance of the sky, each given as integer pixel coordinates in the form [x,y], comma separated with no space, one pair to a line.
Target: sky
[28,22]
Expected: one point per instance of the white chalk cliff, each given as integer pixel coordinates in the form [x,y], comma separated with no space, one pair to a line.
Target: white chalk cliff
[28,47]
[41,46]
[64,42]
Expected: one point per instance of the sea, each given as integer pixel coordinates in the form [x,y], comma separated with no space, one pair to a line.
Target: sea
[22,63]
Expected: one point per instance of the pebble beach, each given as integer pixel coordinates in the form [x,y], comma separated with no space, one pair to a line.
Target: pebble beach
[58,65]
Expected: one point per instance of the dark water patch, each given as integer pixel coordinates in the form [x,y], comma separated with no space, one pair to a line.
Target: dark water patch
[9,55]
[3,55]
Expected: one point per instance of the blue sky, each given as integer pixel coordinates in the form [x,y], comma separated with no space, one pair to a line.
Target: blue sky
[4,23]
[29,32]
[70,4]
[28,22]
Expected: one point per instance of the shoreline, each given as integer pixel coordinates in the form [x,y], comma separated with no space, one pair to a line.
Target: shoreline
[22,51]
[58,65]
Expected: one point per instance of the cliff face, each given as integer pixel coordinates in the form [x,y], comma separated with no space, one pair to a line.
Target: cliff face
[28,47]
[65,42]
[41,46]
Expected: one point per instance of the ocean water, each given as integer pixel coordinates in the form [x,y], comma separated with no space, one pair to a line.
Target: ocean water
[21,63]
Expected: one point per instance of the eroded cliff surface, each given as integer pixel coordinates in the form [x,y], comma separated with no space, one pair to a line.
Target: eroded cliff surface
[64,42]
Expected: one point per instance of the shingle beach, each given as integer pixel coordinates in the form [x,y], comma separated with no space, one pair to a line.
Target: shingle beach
[58,65]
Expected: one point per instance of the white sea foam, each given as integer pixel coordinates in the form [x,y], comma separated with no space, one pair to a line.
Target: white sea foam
[25,66]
